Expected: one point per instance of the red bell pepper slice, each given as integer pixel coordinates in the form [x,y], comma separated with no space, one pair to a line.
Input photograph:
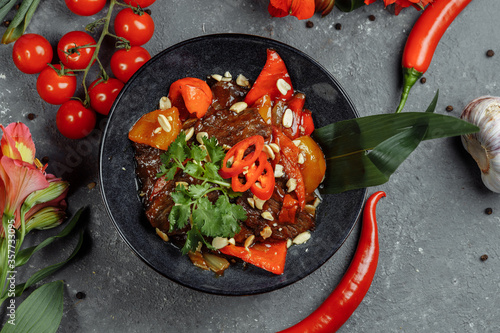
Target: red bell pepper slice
[265,189]
[251,175]
[289,160]
[193,93]
[266,82]
[289,209]
[268,256]
[306,123]
[296,104]
[237,152]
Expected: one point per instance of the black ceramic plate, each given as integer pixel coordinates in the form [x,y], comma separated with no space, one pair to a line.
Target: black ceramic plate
[200,57]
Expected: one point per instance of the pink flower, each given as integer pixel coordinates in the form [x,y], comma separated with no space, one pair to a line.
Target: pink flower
[301,9]
[17,143]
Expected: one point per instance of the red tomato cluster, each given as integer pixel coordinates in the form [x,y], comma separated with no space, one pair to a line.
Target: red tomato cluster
[57,83]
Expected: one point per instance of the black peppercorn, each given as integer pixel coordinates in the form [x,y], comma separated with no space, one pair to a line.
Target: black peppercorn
[490,53]
[31,116]
[147,11]
[309,24]
[484,257]
[338,26]
[423,80]
[45,159]
[80,295]
[449,108]
[488,211]
[371,17]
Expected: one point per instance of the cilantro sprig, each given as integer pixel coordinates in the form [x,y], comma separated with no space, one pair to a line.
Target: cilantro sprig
[192,206]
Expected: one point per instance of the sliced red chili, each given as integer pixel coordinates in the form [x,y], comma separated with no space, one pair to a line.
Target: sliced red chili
[289,160]
[264,187]
[267,81]
[289,209]
[306,123]
[271,257]
[237,152]
[251,174]
[296,104]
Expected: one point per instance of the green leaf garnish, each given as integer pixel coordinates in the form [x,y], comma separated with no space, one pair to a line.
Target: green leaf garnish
[365,151]
[192,206]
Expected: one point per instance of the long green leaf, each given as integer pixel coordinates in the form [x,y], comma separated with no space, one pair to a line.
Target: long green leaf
[43,273]
[5,7]
[24,255]
[349,5]
[41,312]
[364,152]
[20,21]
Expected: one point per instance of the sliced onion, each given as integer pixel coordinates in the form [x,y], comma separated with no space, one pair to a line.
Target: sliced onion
[198,260]
[216,263]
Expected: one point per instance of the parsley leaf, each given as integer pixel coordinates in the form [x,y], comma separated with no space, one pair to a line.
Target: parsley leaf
[192,206]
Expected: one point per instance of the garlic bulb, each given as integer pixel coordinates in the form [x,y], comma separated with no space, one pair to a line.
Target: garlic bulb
[484,146]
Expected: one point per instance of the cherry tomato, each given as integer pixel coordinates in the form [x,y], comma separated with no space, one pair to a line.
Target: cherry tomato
[124,63]
[137,29]
[79,59]
[54,88]
[85,7]
[31,53]
[74,120]
[142,3]
[103,94]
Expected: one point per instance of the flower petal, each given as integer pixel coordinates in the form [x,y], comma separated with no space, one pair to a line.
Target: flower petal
[17,143]
[279,8]
[20,179]
[303,9]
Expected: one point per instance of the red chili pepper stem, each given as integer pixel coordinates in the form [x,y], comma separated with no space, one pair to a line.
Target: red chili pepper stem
[410,76]
[351,290]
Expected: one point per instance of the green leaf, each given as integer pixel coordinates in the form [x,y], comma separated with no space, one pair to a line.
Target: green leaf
[198,191]
[5,7]
[193,238]
[20,21]
[43,273]
[193,169]
[211,171]
[349,5]
[41,312]
[197,153]
[230,215]
[390,138]
[24,255]
[215,151]
[179,217]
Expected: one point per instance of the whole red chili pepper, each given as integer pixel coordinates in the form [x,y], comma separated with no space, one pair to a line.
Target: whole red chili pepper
[351,290]
[423,40]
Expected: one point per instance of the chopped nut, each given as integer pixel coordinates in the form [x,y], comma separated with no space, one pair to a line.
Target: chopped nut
[189,133]
[227,74]
[226,147]
[230,161]
[249,241]
[238,107]
[316,203]
[251,202]
[266,232]
[217,77]
[283,86]
[162,235]
[288,118]
[269,152]
[200,136]
[291,184]
[302,237]
[219,242]
[157,130]
[259,203]
[164,123]
[289,243]
[91,185]
[231,241]
[185,184]
[296,142]
[242,81]
[310,209]
[302,159]
[268,216]
[275,147]
[279,171]
[165,103]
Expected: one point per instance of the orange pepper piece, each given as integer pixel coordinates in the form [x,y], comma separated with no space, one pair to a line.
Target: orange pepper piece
[193,93]
[152,130]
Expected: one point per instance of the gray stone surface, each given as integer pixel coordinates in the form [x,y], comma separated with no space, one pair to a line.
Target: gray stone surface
[432,224]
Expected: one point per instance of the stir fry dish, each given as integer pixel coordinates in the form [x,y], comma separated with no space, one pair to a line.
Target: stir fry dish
[229,170]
